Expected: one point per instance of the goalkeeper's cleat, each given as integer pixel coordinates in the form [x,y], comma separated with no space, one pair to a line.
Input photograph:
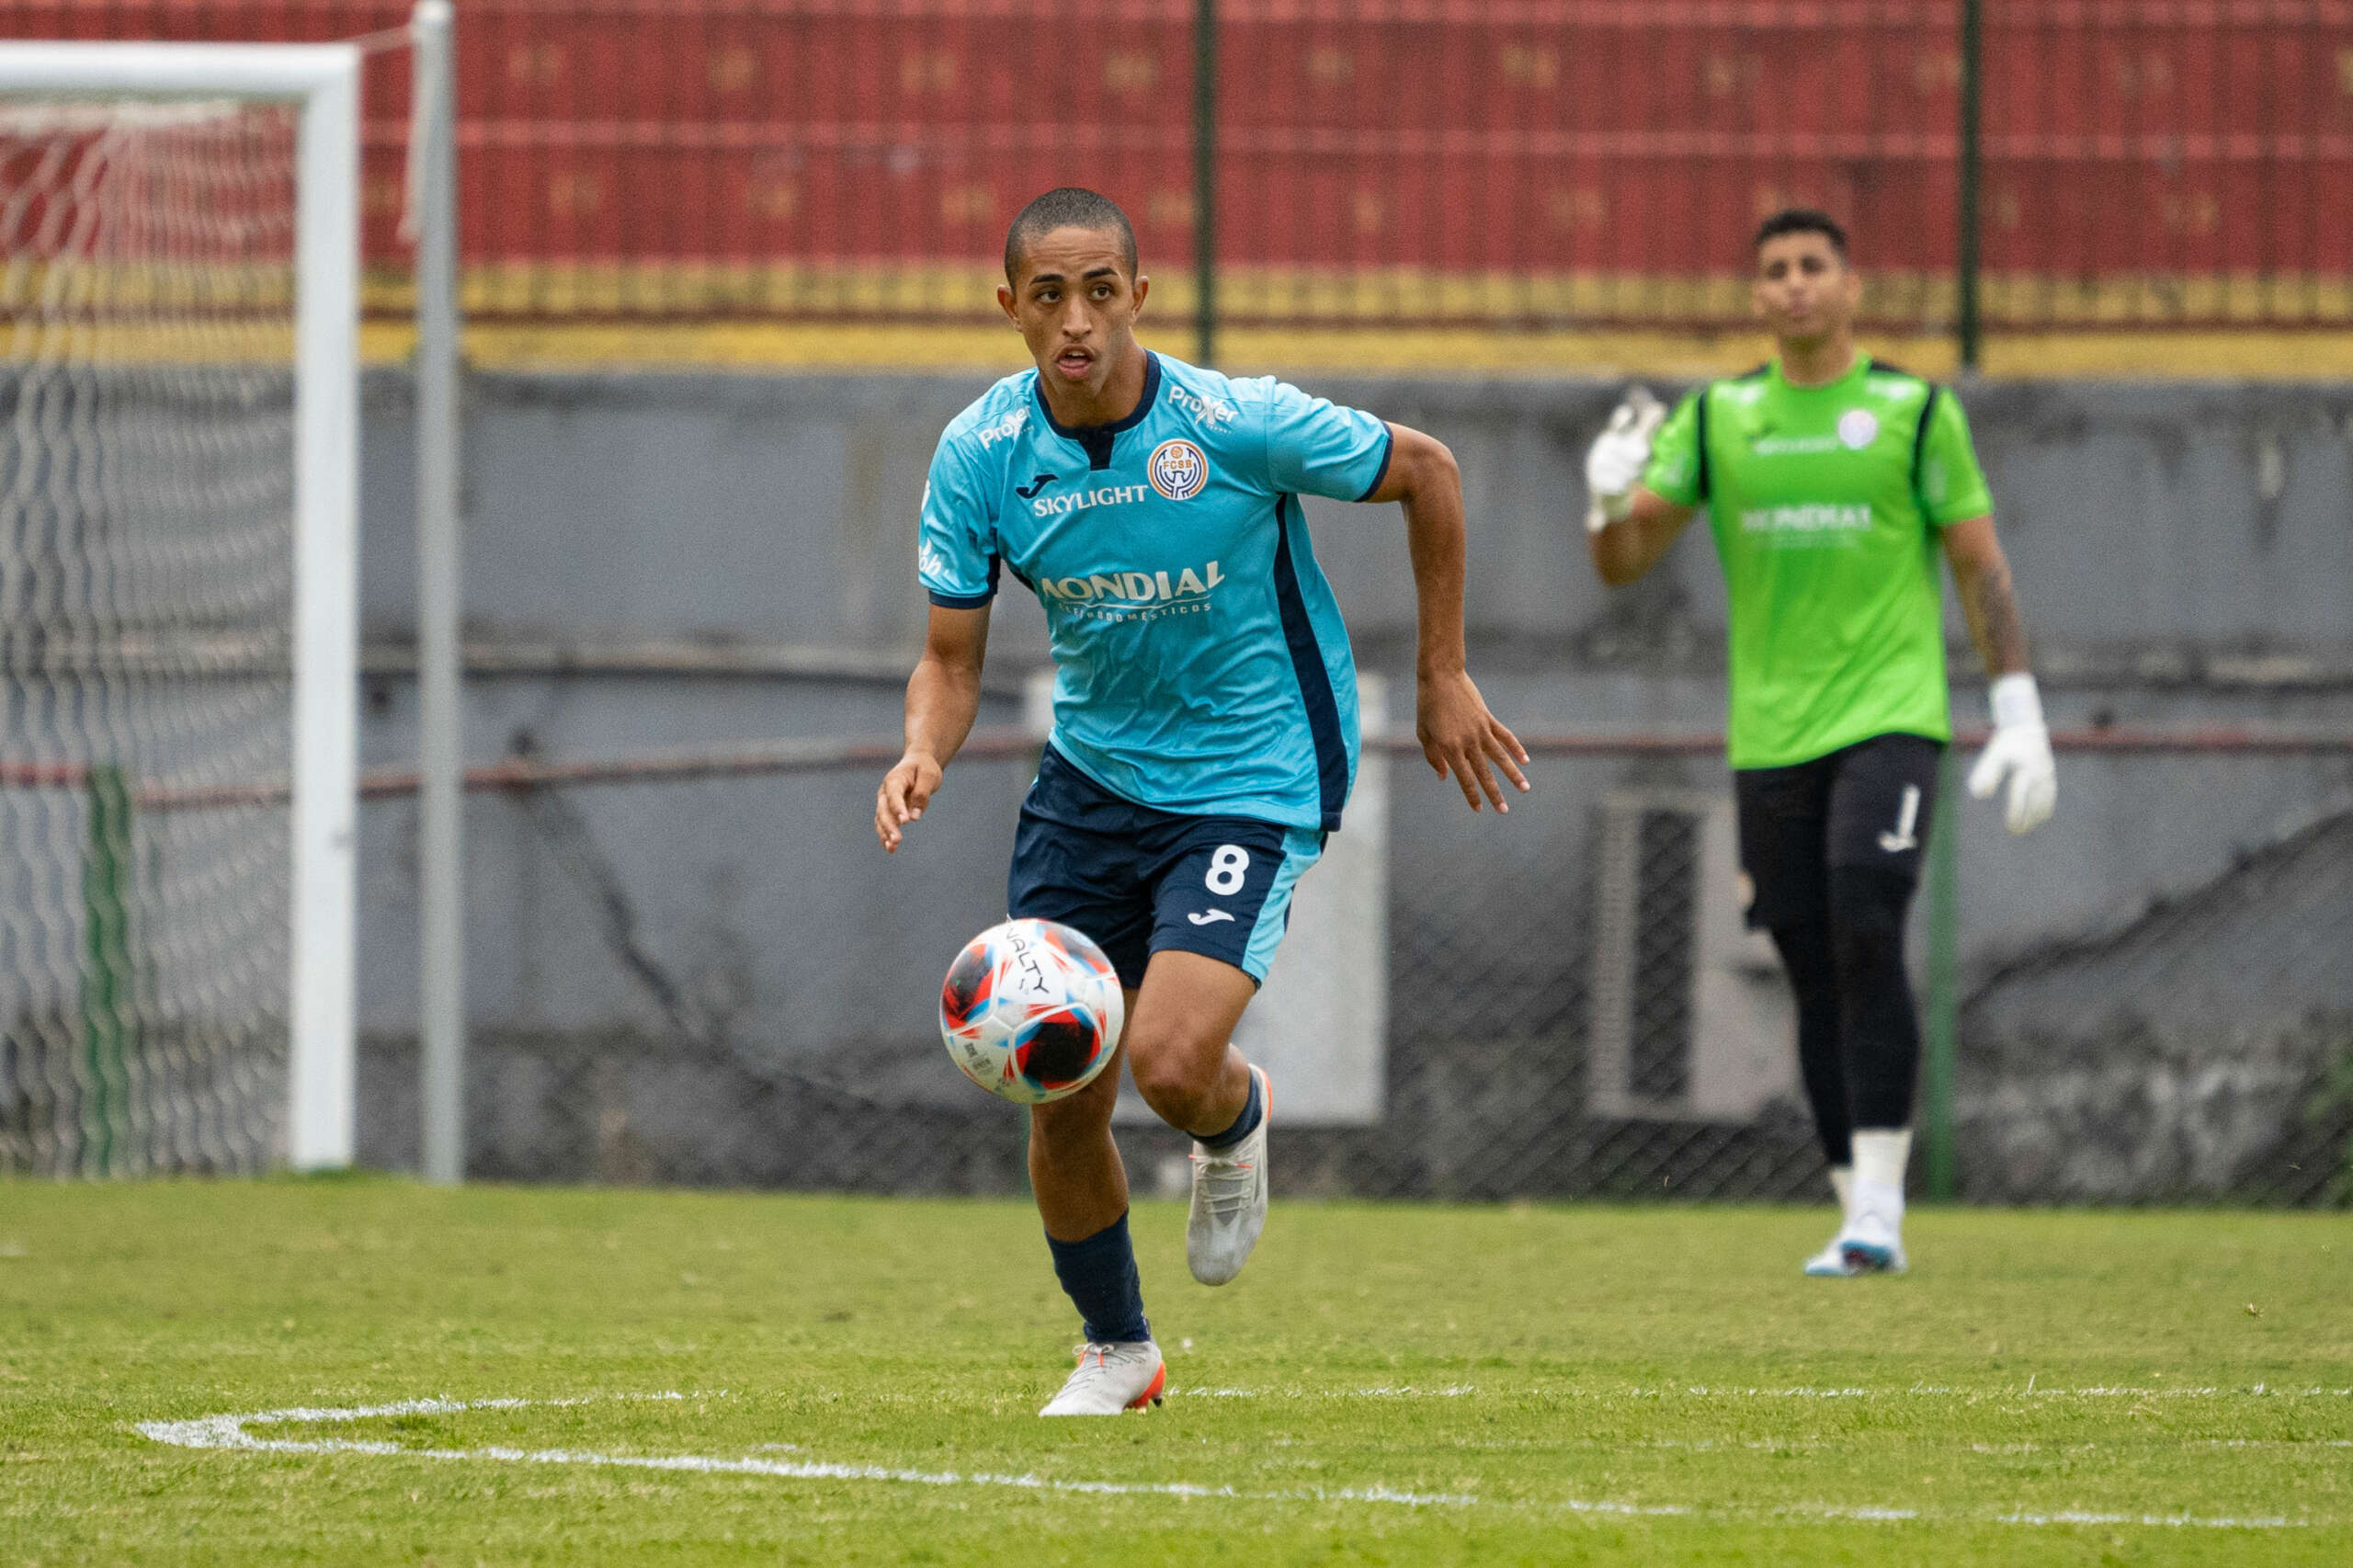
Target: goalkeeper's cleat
[1110,1379]
[1873,1242]
[1228,1206]
[1830,1263]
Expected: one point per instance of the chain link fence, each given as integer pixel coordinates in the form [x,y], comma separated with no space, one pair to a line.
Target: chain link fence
[1386,165]
[703,970]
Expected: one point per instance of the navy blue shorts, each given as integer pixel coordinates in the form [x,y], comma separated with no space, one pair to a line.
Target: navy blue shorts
[1141,881]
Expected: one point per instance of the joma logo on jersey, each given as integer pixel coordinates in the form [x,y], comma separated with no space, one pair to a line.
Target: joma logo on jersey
[1177,470]
[1125,589]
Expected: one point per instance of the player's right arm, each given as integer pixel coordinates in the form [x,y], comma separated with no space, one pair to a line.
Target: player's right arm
[943,699]
[1642,483]
[956,561]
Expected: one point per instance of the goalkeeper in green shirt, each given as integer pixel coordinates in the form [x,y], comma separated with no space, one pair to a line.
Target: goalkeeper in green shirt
[1832,483]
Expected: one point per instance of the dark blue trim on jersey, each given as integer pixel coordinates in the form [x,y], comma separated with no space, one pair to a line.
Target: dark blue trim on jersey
[970,601]
[1314,677]
[1388,450]
[1098,439]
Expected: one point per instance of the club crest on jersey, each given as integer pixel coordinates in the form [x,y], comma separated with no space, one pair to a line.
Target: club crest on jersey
[1857,428]
[1177,470]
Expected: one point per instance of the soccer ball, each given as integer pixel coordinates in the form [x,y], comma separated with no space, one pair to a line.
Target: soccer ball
[1031,1010]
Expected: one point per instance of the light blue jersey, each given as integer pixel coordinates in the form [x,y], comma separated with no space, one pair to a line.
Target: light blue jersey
[1201,666]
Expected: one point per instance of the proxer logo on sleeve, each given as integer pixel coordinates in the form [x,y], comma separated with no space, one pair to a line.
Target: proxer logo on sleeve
[1177,470]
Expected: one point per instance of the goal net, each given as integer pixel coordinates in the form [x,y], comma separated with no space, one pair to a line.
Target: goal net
[152,502]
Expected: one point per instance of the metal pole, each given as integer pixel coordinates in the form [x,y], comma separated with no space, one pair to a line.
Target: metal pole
[1973,50]
[1938,1167]
[441,1016]
[1205,181]
[105,966]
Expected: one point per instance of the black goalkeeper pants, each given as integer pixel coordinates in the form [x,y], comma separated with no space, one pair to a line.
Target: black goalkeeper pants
[1831,850]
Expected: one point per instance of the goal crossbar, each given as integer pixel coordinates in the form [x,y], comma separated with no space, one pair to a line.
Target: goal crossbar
[324,81]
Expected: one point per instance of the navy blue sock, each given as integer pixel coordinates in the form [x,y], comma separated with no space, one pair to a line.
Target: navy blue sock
[1254,1112]
[1098,1275]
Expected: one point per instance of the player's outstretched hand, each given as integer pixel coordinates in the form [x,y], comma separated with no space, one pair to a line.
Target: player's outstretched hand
[906,789]
[1462,739]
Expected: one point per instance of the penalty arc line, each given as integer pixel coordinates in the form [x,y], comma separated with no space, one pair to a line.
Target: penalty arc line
[228,1432]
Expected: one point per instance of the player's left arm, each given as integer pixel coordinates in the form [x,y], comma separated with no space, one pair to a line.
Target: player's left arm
[1459,735]
[1953,489]
[1981,576]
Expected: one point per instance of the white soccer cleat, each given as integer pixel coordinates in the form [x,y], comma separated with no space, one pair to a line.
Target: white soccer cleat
[1229,1205]
[1830,1263]
[1873,1242]
[1110,1379]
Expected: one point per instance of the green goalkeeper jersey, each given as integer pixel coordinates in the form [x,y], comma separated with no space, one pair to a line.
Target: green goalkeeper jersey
[1825,503]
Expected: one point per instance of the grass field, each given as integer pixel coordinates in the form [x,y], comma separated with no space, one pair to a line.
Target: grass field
[739,1379]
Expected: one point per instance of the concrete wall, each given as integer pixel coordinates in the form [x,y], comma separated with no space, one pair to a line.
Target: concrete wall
[2156,530]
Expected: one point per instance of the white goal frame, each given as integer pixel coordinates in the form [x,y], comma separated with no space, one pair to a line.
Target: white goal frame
[323,80]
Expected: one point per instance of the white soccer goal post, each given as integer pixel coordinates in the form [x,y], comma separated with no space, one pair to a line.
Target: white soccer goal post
[179,267]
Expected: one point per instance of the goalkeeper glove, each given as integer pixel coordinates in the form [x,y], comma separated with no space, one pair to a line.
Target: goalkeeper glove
[1619,457]
[2019,751]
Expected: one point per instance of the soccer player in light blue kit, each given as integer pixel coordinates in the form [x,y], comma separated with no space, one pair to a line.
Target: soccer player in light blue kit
[1205,716]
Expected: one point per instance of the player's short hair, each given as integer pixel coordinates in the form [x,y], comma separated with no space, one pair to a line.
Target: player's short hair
[1801,220]
[1068,206]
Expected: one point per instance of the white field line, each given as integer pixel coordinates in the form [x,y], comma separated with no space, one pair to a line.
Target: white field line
[1701,1391]
[1455,1390]
[229,1432]
[1941,1390]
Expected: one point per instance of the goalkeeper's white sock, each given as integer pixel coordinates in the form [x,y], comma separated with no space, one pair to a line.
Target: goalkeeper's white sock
[1842,1182]
[1881,1155]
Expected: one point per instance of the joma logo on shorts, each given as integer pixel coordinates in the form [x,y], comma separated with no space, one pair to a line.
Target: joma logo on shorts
[1131,588]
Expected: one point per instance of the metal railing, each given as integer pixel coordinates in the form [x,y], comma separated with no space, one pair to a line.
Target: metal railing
[1389,165]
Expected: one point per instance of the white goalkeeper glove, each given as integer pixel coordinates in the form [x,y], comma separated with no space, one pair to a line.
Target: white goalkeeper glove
[2021,751]
[1619,457]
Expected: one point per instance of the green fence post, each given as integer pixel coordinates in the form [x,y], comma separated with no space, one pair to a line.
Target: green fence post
[106,963]
[1937,1168]
[1205,182]
[1966,326]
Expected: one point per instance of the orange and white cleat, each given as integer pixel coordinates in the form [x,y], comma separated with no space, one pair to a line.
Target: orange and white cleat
[1229,1205]
[1110,1379]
